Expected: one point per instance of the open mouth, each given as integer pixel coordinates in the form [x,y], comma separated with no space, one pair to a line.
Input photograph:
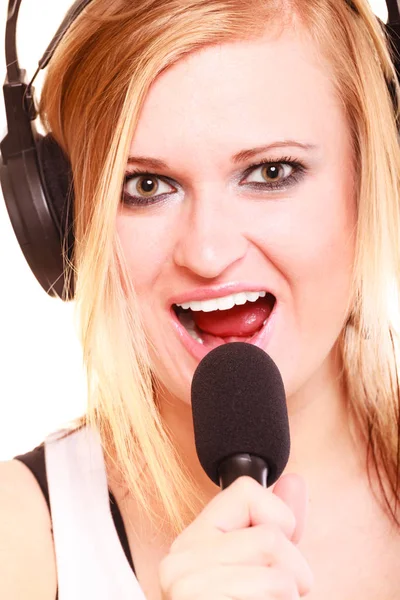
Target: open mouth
[239,317]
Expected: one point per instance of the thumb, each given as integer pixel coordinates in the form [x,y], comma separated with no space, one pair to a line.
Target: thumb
[292,489]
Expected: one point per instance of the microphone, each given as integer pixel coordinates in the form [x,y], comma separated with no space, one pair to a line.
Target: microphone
[240,419]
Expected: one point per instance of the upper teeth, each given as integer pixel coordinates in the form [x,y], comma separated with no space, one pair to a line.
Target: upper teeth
[223,303]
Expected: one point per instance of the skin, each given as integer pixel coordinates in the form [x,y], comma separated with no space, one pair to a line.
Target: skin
[213,228]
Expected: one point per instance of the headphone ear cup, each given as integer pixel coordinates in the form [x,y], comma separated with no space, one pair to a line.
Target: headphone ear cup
[56,175]
[36,180]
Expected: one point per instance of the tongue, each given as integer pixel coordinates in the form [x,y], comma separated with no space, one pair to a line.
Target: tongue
[241,321]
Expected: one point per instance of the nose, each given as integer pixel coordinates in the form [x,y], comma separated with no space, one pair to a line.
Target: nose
[210,237]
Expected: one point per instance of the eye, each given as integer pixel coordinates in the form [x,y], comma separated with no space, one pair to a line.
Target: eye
[272,173]
[143,188]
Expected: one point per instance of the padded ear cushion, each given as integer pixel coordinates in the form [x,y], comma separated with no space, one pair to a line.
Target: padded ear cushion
[56,175]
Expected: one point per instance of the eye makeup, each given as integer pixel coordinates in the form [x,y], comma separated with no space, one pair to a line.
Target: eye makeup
[297,172]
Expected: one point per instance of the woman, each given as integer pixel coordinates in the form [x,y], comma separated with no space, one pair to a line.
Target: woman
[249,139]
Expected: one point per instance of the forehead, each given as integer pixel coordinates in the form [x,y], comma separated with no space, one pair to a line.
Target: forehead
[238,93]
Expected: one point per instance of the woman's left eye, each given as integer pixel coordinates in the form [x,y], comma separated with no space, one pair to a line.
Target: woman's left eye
[270,173]
[275,175]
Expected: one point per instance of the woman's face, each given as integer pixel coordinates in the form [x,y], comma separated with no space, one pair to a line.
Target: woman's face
[213,225]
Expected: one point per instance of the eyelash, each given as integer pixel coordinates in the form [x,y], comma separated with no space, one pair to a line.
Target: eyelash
[297,174]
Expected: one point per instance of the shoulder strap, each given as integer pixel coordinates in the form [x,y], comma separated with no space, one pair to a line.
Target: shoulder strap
[36,463]
[91,562]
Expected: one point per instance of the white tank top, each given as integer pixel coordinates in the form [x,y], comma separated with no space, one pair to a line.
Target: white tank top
[91,562]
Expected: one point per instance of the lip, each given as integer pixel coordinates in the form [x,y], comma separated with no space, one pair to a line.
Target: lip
[217,291]
[198,351]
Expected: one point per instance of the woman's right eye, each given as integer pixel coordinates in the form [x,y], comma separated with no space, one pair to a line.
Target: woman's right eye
[141,189]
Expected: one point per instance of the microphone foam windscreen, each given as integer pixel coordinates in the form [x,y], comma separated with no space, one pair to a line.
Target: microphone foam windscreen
[239,406]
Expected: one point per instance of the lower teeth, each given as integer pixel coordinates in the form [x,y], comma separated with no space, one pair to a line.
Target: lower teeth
[188,323]
[195,336]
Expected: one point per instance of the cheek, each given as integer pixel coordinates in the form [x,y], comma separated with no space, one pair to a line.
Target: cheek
[311,237]
[321,277]
[310,241]
[327,244]
[145,247]
[313,251]
[322,249]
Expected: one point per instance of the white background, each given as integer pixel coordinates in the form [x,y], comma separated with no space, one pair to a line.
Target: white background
[41,375]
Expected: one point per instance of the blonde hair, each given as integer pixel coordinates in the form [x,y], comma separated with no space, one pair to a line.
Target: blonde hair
[93,92]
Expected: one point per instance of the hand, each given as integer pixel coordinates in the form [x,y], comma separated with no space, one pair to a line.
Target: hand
[242,546]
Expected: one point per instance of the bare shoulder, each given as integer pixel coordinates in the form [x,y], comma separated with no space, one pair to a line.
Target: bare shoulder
[27,559]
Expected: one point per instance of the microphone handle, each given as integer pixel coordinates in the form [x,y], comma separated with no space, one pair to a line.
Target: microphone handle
[242,464]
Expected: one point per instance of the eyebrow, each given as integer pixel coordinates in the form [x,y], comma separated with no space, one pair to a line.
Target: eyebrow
[156,163]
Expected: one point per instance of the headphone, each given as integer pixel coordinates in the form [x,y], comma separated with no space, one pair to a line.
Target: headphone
[35,173]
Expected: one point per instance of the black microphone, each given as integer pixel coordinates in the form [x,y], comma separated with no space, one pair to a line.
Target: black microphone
[240,418]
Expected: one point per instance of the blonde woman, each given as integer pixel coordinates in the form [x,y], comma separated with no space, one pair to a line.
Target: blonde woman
[256,147]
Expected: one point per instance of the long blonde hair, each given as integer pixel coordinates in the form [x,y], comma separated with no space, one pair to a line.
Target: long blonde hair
[93,92]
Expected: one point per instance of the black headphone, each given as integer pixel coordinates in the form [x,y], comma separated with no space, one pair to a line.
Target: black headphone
[35,174]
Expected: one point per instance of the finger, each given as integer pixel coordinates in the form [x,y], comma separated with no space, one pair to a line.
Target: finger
[261,545]
[292,489]
[246,583]
[243,504]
